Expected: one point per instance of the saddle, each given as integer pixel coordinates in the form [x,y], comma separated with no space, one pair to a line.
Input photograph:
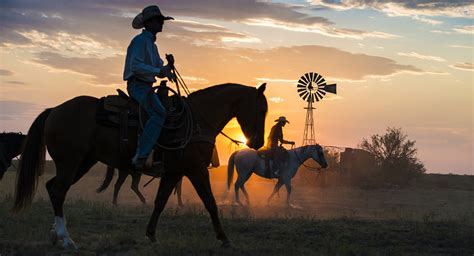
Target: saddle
[124,113]
[269,156]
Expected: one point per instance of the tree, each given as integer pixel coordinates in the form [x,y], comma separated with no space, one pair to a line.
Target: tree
[395,156]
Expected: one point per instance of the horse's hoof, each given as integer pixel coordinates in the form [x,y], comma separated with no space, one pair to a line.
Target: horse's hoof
[226,244]
[296,207]
[151,238]
[53,236]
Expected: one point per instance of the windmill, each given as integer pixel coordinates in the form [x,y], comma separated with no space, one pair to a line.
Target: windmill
[312,87]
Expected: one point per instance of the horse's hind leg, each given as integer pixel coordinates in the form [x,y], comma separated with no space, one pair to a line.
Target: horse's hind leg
[275,190]
[66,175]
[244,191]
[240,184]
[118,185]
[135,183]
[288,190]
[200,181]
[168,182]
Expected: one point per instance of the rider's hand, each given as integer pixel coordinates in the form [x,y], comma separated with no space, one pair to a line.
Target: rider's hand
[170,59]
[166,72]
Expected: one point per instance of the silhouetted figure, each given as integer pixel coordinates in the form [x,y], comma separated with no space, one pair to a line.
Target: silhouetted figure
[279,153]
[142,65]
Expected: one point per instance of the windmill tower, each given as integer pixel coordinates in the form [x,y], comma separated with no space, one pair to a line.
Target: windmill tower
[312,87]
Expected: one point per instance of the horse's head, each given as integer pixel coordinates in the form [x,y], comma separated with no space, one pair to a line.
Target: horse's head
[251,117]
[318,155]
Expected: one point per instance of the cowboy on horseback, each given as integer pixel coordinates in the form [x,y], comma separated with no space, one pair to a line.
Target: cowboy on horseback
[278,152]
[142,65]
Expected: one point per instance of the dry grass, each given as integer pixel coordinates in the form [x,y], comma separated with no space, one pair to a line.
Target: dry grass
[341,221]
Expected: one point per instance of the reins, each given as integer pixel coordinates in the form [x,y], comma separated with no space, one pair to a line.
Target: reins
[179,81]
[302,162]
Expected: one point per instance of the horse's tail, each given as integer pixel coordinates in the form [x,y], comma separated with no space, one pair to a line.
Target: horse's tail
[230,169]
[31,163]
[108,178]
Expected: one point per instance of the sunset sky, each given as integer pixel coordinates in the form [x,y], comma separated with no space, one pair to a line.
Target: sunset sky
[395,64]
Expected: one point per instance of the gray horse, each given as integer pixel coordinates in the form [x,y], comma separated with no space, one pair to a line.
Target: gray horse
[247,162]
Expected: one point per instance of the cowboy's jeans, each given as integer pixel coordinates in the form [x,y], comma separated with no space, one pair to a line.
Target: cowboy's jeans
[156,112]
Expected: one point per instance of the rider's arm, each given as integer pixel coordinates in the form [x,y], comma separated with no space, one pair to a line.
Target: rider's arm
[137,59]
[282,141]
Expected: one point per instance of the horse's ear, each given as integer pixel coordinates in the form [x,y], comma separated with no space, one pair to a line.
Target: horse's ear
[262,88]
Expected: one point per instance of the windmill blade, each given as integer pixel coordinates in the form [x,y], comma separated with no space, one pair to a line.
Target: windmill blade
[313,75]
[308,78]
[302,94]
[305,96]
[321,81]
[320,95]
[316,97]
[301,86]
[317,78]
[303,79]
[301,83]
[330,88]
[301,89]
[321,91]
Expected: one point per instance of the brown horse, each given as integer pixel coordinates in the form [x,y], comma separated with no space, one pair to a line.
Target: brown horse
[75,142]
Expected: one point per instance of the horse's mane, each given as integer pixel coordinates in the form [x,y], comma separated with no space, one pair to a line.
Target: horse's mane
[216,89]
[306,147]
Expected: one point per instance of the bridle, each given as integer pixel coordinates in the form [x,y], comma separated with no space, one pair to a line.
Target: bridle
[301,162]
[181,83]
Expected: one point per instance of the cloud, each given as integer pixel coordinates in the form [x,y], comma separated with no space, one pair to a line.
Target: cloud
[16,82]
[69,44]
[421,56]
[11,109]
[241,65]
[4,72]
[101,71]
[461,46]
[436,31]
[80,24]
[208,34]
[466,66]
[416,9]
[319,29]
[276,80]
[277,99]
[468,29]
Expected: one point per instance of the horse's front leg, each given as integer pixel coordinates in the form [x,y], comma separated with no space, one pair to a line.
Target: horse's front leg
[168,182]
[200,181]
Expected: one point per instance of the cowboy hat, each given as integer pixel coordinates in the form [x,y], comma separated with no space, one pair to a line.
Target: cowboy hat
[282,119]
[148,13]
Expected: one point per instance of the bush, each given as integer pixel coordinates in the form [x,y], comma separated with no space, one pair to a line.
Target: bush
[395,157]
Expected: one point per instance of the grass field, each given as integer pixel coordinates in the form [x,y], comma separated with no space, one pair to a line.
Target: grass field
[332,221]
